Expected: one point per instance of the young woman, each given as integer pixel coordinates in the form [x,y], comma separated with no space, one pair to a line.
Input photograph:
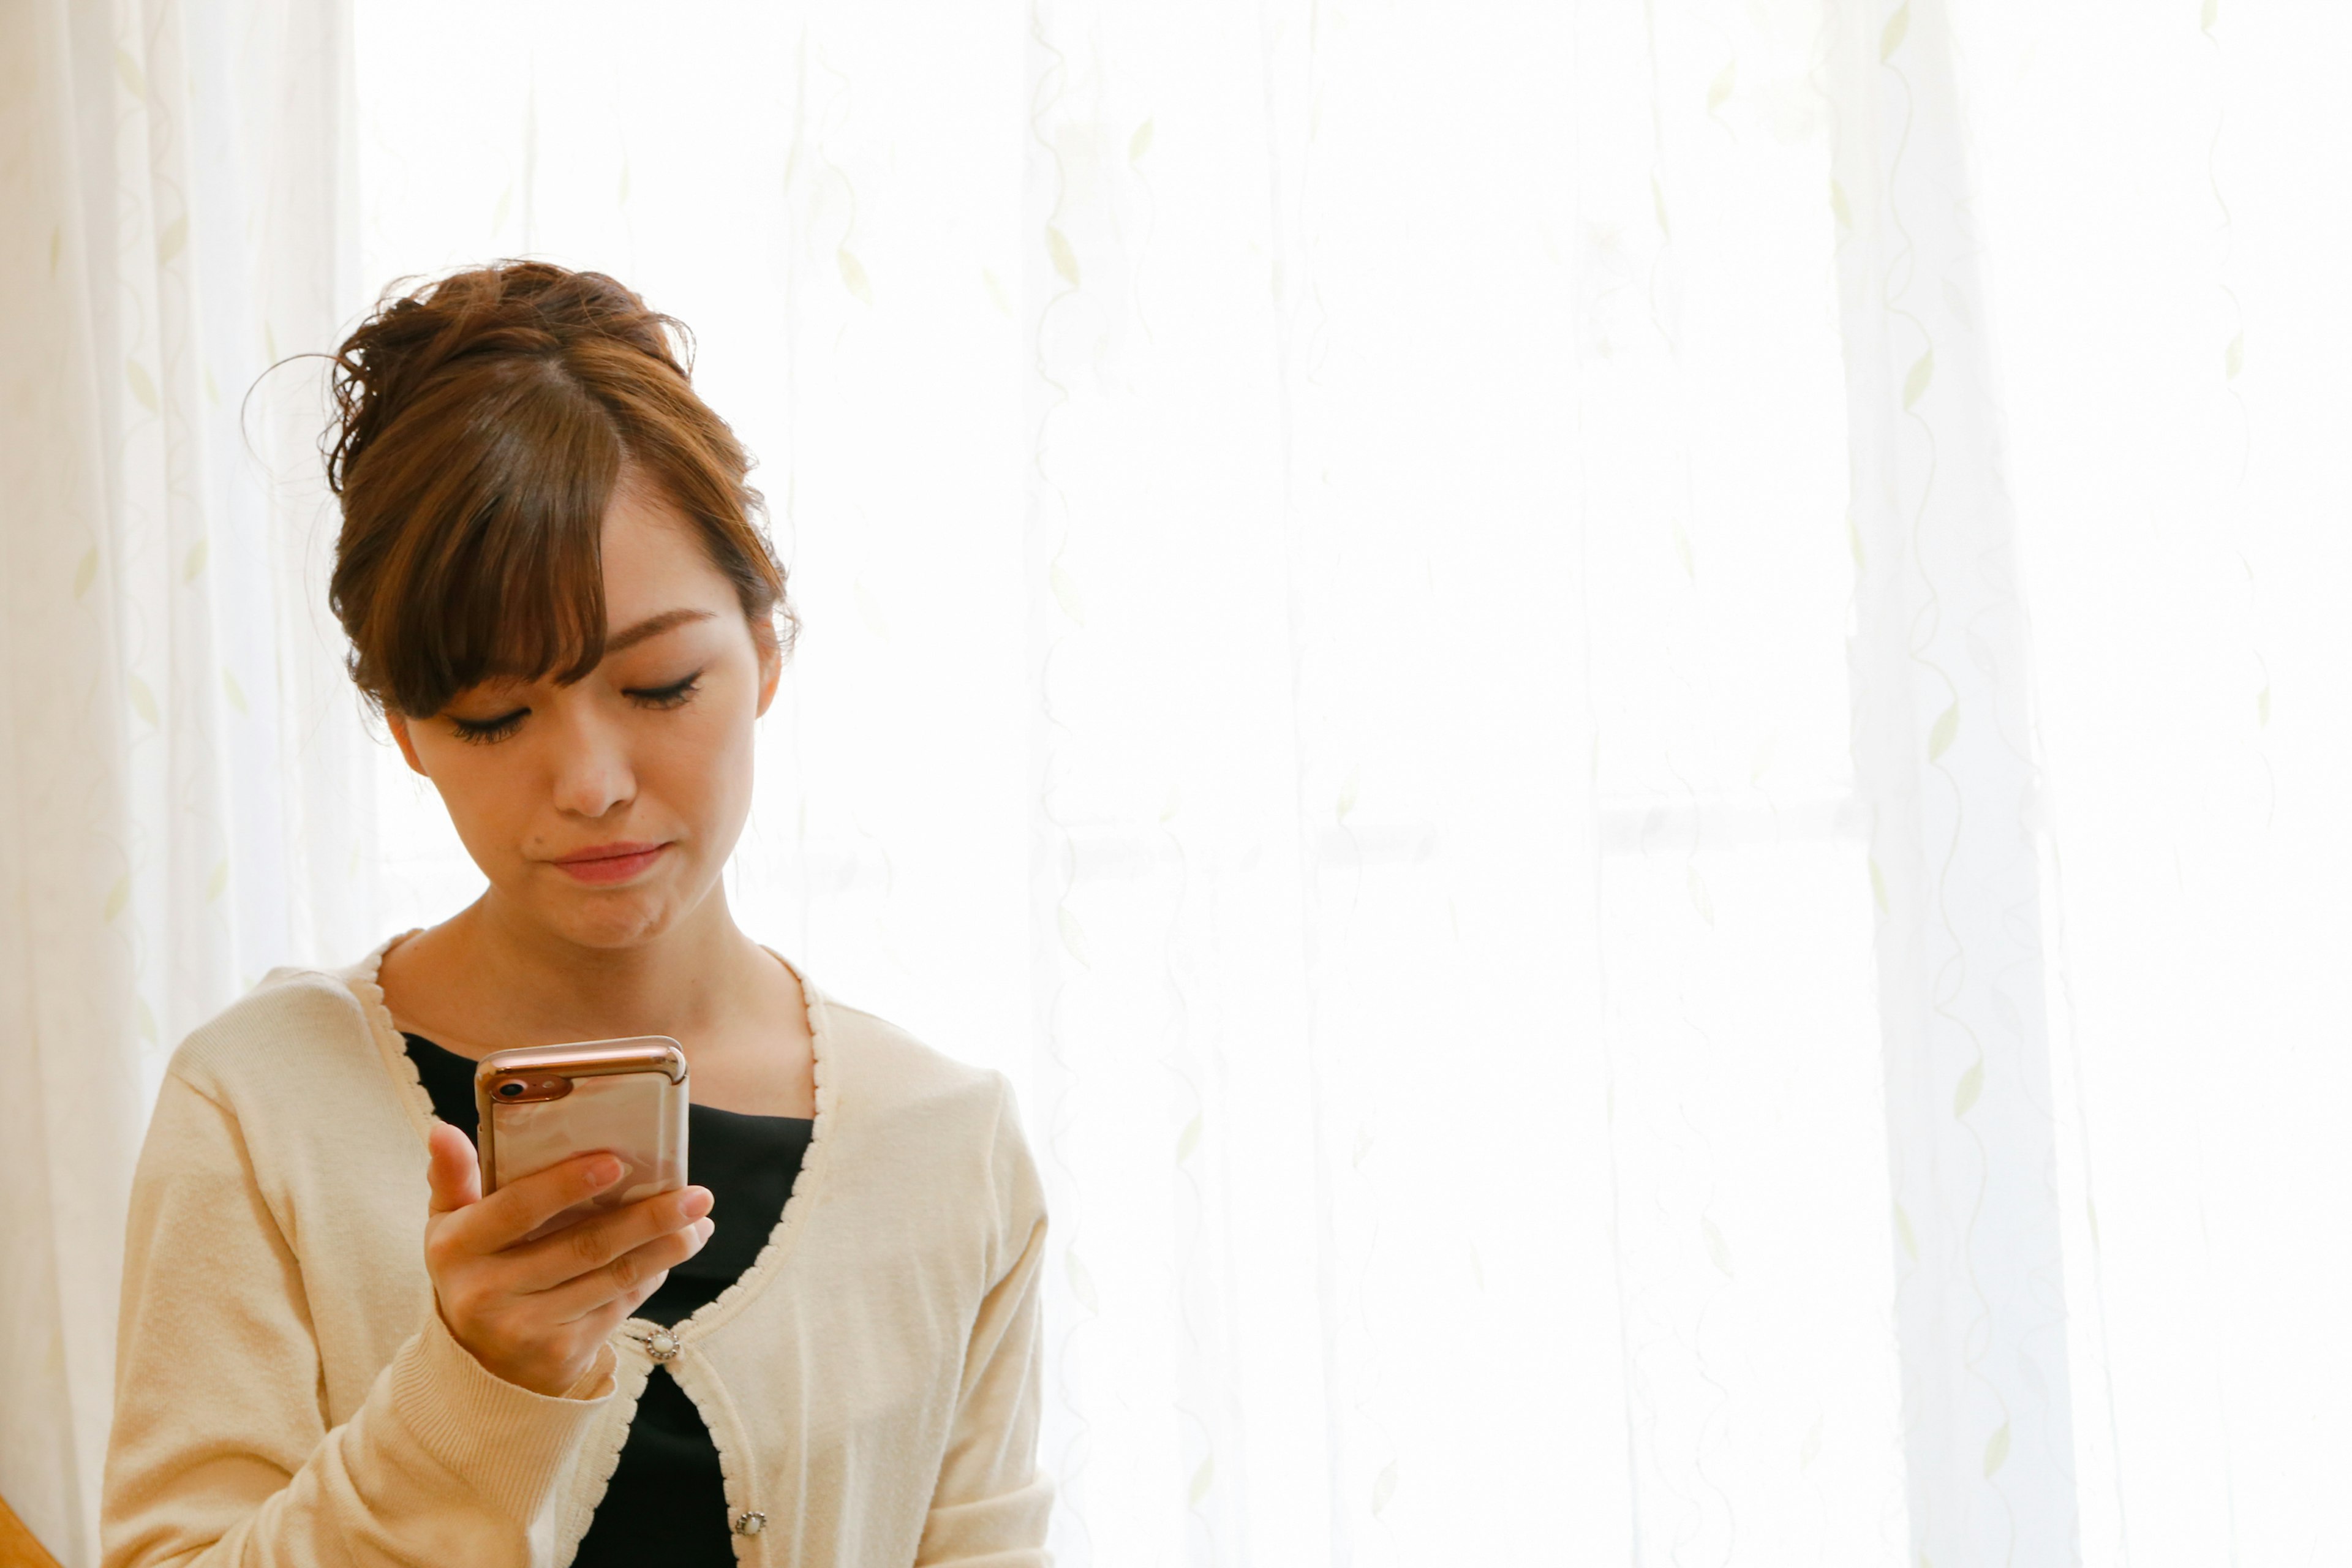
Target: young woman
[334,1350]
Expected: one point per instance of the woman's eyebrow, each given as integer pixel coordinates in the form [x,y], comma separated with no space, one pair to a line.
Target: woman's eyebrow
[651,627]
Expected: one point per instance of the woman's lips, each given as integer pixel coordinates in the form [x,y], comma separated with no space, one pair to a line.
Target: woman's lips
[609,862]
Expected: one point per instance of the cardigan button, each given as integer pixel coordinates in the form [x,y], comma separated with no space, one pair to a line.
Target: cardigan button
[660,1345]
[751,1523]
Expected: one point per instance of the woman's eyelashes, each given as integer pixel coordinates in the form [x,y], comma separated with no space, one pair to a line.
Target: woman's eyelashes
[483,732]
[674,695]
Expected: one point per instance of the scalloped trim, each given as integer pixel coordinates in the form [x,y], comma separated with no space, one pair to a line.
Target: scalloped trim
[715,1314]
[629,1380]
[703,1386]
[362,977]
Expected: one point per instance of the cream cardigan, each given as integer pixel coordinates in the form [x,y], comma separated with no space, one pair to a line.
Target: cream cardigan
[288,1395]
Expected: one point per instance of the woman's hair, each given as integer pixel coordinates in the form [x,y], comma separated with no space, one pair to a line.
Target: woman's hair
[482,424]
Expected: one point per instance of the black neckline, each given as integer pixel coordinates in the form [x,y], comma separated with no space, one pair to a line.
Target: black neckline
[746,1120]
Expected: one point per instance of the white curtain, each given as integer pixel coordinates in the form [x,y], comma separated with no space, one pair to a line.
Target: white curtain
[181,781]
[1627,717]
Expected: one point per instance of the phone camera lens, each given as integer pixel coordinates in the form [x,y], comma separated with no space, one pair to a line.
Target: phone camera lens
[509,1088]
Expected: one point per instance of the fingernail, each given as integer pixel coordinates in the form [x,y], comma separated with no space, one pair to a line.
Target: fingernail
[605,1171]
[703,1228]
[697,1203]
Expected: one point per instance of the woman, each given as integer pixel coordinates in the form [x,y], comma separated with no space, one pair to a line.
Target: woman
[333,1349]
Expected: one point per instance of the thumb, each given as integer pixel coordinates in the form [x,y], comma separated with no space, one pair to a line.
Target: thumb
[453,1172]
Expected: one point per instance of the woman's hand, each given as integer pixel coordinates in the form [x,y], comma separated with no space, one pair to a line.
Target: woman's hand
[535,1313]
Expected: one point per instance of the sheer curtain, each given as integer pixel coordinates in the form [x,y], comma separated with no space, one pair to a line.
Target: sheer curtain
[181,779]
[1625,715]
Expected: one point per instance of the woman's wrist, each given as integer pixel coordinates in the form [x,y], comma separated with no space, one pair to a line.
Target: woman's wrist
[505,1442]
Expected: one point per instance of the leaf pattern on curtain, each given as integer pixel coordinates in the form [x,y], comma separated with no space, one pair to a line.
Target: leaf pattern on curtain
[184,767]
[1948,765]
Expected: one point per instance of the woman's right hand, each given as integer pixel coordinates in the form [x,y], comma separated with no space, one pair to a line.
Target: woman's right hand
[535,1313]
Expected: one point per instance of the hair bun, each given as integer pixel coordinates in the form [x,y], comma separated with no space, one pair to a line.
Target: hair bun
[524,309]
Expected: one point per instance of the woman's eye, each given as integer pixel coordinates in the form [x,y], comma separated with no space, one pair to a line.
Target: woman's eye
[481,731]
[674,695]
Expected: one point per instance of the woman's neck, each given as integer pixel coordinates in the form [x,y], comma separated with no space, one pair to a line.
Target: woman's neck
[481,982]
[488,979]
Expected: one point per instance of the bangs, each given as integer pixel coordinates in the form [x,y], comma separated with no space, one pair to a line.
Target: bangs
[502,557]
[483,426]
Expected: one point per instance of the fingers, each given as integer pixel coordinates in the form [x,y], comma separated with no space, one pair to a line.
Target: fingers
[534,1313]
[451,1170]
[628,1278]
[594,1243]
[520,1206]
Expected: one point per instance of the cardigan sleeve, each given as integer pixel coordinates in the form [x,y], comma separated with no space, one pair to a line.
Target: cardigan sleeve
[220,1454]
[990,1504]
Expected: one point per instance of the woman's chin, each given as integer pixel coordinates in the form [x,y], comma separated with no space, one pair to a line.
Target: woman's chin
[610,917]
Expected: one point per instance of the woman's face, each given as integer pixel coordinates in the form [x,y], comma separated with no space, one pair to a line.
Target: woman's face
[605,810]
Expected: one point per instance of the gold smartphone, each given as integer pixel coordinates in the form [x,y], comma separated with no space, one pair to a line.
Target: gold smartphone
[542,1104]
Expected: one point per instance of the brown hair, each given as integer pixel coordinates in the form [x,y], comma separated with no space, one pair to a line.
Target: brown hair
[482,424]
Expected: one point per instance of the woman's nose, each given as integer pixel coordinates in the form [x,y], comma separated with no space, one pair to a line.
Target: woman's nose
[591,765]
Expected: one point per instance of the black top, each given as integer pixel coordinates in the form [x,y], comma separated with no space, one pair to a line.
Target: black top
[667,1502]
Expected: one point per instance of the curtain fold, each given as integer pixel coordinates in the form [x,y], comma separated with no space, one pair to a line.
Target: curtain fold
[72,1111]
[175,767]
[1948,771]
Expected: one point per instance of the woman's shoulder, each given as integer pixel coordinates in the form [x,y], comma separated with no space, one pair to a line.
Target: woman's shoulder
[898,1092]
[887,1067]
[890,1063]
[299,1027]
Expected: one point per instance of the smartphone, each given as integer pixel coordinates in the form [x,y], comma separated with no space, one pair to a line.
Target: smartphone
[542,1104]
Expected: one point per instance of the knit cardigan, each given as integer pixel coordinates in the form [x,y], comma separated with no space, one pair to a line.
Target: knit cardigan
[286,1394]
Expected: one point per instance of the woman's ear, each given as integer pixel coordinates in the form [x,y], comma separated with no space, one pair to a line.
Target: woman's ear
[398,724]
[771,674]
